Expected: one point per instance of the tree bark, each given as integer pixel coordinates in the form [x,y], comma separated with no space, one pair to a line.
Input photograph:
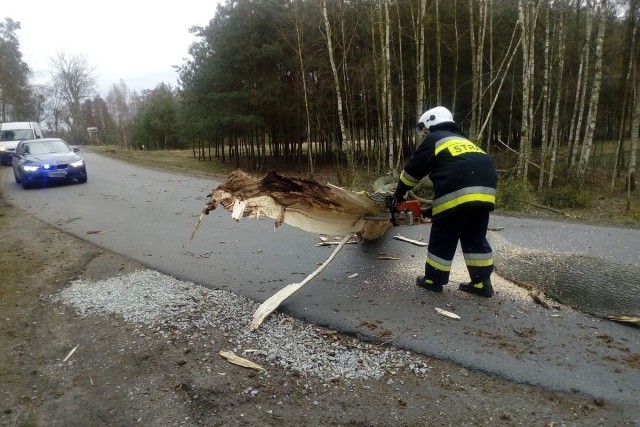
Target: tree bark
[595,94]
[336,77]
[555,138]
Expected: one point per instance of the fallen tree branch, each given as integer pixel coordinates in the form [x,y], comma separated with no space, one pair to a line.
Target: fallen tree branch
[550,209]
[274,301]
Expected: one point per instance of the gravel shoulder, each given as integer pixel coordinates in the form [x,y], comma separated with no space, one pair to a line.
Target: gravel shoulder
[147,353]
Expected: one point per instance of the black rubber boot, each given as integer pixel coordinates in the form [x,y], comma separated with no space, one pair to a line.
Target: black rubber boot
[420,281]
[483,289]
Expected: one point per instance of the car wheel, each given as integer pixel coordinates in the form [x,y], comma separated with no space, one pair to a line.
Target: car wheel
[17,177]
[83,180]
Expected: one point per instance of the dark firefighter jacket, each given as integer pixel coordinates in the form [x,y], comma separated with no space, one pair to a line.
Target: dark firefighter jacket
[462,174]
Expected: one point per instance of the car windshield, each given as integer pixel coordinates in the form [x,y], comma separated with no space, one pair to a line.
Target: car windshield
[16,134]
[47,147]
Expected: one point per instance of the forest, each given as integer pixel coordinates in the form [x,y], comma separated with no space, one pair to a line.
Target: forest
[549,87]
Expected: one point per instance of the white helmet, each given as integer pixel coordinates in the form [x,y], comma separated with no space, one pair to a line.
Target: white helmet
[433,117]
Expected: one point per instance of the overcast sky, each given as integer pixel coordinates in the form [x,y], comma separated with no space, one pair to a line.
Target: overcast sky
[134,40]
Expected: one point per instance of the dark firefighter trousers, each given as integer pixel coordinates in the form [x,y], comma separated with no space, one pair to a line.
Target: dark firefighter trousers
[469,227]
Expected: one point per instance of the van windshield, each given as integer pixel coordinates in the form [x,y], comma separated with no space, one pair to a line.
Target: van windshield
[16,134]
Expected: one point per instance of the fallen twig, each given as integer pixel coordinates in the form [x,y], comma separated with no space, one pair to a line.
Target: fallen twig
[273,302]
[70,353]
[550,209]
[413,242]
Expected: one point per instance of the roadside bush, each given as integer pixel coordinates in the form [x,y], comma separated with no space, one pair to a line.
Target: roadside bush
[565,197]
[634,213]
[513,194]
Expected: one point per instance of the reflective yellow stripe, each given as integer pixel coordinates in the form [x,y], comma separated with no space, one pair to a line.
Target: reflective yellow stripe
[473,197]
[407,181]
[479,262]
[458,146]
[437,265]
[478,285]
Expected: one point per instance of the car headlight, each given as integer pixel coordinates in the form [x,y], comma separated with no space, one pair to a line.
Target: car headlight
[3,148]
[77,163]
[30,168]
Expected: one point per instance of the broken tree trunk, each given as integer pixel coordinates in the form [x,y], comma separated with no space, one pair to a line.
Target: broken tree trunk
[597,286]
[301,203]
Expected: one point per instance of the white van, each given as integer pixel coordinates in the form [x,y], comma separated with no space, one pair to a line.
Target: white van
[13,132]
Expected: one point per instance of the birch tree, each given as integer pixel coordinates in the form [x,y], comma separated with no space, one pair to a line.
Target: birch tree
[545,96]
[336,77]
[635,128]
[581,91]
[595,94]
[477,61]
[387,105]
[118,101]
[632,32]
[555,123]
[527,12]
[418,21]
[297,23]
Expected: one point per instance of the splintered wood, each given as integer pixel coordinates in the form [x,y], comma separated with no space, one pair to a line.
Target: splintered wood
[301,203]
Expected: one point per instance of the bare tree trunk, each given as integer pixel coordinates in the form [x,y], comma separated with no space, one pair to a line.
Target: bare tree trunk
[528,17]
[475,91]
[491,74]
[513,49]
[635,128]
[304,86]
[402,92]
[456,57]
[595,94]
[545,97]
[438,55]
[581,93]
[336,78]
[386,87]
[419,37]
[628,87]
[555,139]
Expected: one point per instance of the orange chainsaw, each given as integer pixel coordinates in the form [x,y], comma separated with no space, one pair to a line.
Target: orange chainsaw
[411,212]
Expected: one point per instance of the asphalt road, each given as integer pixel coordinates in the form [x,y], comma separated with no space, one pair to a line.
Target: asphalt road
[149,215]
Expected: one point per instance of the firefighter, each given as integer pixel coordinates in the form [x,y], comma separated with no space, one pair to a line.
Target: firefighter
[464,183]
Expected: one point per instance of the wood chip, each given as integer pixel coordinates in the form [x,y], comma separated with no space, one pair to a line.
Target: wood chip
[240,361]
[392,258]
[447,313]
[353,276]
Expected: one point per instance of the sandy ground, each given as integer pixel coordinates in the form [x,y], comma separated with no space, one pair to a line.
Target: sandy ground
[120,377]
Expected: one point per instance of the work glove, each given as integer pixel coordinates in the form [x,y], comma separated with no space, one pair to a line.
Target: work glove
[391,201]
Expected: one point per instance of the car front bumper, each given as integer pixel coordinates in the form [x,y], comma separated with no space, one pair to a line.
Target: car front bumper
[42,175]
